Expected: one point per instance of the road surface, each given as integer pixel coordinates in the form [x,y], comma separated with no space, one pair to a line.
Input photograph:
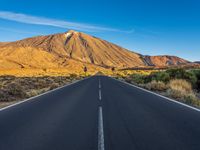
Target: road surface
[99,113]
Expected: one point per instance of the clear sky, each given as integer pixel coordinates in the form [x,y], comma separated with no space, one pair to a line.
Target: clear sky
[151,27]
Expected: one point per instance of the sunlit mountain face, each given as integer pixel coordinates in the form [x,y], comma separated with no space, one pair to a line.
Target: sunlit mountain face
[74,48]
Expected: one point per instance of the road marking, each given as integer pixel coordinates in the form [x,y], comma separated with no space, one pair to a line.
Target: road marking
[167,98]
[100,130]
[32,98]
[99,83]
[100,94]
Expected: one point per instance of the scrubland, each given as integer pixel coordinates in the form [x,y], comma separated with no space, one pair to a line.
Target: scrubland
[19,84]
[180,84]
[13,89]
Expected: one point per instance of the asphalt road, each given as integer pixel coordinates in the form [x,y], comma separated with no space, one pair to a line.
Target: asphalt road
[99,113]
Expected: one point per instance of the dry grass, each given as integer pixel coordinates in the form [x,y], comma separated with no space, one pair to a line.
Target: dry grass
[5,104]
[18,88]
[34,92]
[175,83]
[156,86]
[180,88]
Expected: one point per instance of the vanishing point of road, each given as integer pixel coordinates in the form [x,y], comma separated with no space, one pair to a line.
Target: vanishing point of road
[99,113]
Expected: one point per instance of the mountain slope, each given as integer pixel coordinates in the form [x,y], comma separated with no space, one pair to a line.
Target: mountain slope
[71,45]
[74,48]
[164,60]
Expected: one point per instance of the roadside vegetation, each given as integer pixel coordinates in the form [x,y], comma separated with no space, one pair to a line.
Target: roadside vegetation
[180,84]
[13,88]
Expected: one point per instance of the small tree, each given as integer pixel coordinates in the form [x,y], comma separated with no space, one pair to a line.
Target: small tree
[85,69]
[113,68]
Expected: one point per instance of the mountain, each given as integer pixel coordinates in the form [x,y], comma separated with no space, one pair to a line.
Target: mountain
[2,43]
[197,62]
[164,60]
[74,50]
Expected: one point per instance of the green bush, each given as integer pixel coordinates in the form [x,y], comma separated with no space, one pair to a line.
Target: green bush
[182,74]
[161,76]
[176,73]
[191,100]
[197,74]
[191,77]
[138,78]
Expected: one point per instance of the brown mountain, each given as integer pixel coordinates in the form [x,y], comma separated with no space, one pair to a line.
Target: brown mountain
[73,49]
[164,60]
[2,43]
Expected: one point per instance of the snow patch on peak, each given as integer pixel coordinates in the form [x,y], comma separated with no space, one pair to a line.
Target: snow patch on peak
[67,35]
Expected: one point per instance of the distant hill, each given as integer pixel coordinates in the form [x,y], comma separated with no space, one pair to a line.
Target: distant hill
[2,43]
[164,60]
[73,50]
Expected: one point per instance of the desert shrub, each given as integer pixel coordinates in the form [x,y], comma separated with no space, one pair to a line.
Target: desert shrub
[138,78]
[12,91]
[182,74]
[149,78]
[127,79]
[191,77]
[3,96]
[197,74]
[118,75]
[177,94]
[179,88]
[34,92]
[73,76]
[15,90]
[180,84]
[176,73]
[54,85]
[156,86]
[188,98]
[192,100]
[87,75]
[8,77]
[161,76]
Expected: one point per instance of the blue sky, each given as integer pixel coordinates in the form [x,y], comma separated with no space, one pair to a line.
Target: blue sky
[151,27]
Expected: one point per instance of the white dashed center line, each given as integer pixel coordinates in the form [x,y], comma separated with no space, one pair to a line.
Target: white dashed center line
[99,83]
[100,130]
[100,94]
[99,90]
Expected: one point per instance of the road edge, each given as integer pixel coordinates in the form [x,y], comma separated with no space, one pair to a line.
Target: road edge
[167,98]
[31,98]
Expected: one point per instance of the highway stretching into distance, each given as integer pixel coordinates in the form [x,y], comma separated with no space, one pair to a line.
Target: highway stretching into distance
[99,113]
